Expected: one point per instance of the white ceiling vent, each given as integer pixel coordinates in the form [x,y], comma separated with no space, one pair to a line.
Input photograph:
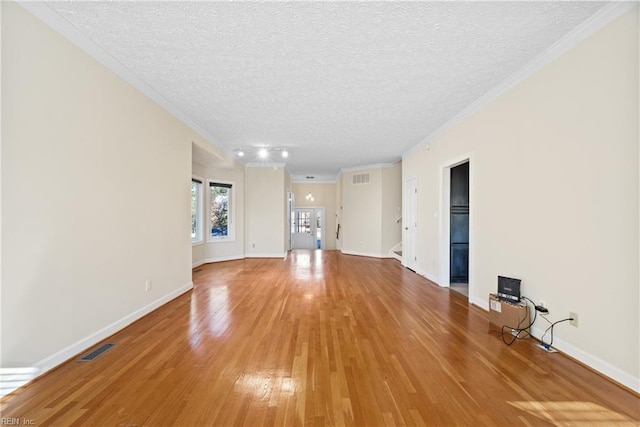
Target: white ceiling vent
[361,178]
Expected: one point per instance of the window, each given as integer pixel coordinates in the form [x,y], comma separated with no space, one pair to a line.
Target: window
[196,210]
[303,222]
[220,210]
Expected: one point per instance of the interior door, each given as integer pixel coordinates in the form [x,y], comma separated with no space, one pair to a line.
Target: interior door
[410,224]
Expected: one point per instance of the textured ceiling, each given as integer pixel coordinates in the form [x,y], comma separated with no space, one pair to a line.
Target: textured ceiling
[341,84]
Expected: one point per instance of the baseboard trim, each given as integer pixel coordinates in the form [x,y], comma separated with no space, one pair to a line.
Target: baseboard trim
[281,255]
[365,254]
[218,259]
[593,362]
[483,304]
[613,373]
[69,352]
[428,276]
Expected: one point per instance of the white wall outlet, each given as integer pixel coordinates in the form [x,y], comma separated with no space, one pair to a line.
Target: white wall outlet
[574,319]
[147,285]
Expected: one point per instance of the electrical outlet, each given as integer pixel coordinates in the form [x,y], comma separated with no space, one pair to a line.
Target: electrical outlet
[147,285]
[574,321]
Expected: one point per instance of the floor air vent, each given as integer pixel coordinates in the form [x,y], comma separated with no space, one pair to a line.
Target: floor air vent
[96,353]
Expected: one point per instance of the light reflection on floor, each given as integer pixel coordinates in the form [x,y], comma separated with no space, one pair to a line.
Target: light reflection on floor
[216,317]
[262,385]
[308,264]
[219,310]
[568,412]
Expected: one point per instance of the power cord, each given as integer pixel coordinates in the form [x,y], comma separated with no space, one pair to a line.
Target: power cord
[548,346]
[543,312]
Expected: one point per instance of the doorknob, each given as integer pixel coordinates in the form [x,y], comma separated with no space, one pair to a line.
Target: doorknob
[406,228]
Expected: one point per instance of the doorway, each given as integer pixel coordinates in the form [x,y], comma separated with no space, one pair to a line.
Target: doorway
[307,228]
[462,250]
[459,229]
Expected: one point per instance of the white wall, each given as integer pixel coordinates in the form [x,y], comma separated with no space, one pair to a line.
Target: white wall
[324,195]
[265,211]
[555,193]
[95,198]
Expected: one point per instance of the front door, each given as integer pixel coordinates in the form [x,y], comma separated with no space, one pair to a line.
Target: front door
[307,228]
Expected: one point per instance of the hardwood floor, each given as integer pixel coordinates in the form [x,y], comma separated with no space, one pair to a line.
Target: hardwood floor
[319,339]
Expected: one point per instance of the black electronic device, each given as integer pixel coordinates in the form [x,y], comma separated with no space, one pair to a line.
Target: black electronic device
[509,289]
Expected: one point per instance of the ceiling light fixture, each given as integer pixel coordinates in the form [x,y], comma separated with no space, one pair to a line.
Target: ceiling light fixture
[261,153]
[309,197]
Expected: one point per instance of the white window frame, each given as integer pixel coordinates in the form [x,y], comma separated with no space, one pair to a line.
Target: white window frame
[199,239]
[231,236]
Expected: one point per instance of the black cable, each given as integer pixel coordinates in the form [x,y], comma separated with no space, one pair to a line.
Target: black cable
[551,327]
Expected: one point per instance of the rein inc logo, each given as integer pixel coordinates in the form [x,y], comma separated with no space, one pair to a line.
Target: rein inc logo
[17,422]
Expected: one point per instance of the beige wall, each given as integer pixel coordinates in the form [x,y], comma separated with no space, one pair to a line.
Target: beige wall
[391,207]
[369,211]
[265,213]
[555,192]
[95,197]
[362,214]
[221,250]
[324,195]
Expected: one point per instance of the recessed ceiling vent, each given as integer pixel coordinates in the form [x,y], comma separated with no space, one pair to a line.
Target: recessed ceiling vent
[361,178]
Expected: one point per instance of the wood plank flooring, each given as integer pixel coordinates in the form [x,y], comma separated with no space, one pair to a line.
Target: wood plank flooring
[319,339]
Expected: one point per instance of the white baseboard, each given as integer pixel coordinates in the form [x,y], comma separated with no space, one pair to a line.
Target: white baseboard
[428,276]
[281,255]
[366,254]
[605,368]
[482,303]
[218,259]
[67,353]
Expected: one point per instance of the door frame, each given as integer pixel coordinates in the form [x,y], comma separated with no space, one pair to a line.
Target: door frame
[445,223]
[323,223]
[409,183]
[290,203]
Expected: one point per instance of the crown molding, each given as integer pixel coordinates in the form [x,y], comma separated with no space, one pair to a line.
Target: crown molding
[598,20]
[59,24]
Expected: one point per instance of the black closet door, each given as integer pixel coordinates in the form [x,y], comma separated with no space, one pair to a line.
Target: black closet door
[459,224]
